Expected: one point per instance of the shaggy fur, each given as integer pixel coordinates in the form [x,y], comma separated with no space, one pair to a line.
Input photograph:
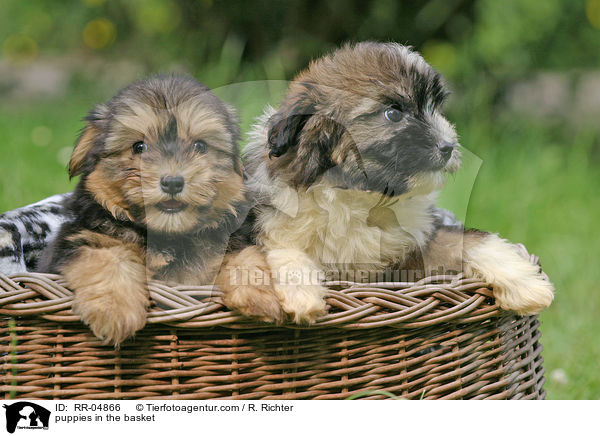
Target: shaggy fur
[161,190]
[25,232]
[347,169]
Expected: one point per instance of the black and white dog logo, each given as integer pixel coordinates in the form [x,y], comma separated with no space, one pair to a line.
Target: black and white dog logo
[26,415]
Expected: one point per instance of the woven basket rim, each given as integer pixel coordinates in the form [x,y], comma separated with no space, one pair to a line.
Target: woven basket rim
[430,301]
[352,305]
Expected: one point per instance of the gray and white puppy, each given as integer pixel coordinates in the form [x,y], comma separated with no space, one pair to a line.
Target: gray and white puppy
[25,232]
[347,170]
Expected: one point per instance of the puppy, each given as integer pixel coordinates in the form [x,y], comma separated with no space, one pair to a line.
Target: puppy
[161,190]
[347,169]
[25,232]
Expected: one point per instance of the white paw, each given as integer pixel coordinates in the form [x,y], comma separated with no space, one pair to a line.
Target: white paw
[518,284]
[298,284]
[303,303]
[526,294]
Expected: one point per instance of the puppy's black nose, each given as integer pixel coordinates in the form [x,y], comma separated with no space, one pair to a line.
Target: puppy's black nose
[172,184]
[446,148]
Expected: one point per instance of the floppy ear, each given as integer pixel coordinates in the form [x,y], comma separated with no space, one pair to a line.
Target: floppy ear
[305,137]
[287,123]
[316,142]
[81,155]
[84,145]
[284,133]
[233,120]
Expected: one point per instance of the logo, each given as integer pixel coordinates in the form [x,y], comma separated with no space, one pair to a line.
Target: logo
[26,415]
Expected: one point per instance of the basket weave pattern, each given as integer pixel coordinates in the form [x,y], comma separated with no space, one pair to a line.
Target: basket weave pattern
[441,337]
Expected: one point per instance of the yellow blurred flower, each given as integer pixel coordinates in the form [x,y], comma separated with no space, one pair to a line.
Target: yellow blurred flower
[19,49]
[99,33]
[592,10]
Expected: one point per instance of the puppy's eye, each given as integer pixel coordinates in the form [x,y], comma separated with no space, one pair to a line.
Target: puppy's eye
[200,146]
[139,147]
[393,114]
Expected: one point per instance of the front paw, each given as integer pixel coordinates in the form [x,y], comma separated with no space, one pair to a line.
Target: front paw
[245,280]
[297,281]
[518,284]
[255,302]
[527,294]
[109,320]
[111,294]
[304,304]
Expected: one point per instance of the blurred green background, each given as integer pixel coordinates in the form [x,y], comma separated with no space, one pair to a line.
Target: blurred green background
[525,77]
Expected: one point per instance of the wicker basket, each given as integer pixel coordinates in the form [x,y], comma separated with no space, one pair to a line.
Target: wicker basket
[441,337]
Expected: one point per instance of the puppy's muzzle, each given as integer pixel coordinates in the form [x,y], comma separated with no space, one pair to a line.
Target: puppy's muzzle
[446,148]
[172,184]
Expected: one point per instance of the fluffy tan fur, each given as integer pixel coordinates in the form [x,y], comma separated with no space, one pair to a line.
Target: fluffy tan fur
[123,179]
[111,296]
[84,146]
[246,281]
[332,229]
[107,192]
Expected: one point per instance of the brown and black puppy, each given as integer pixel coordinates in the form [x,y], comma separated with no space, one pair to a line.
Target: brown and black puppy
[161,190]
[348,168]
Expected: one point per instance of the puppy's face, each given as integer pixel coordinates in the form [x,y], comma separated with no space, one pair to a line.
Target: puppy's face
[162,153]
[365,117]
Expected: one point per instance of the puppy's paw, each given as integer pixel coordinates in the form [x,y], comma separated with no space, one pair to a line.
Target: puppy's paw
[110,321]
[518,284]
[303,303]
[245,280]
[255,302]
[526,294]
[111,294]
[297,280]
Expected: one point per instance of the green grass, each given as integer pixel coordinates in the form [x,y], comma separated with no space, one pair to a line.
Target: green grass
[536,185]
[30,172]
